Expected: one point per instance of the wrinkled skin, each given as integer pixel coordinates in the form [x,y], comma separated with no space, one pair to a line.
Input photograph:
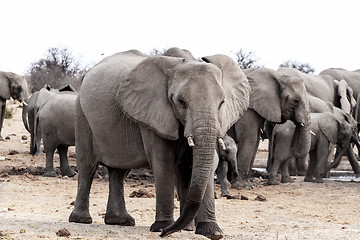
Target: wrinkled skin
[56,119]
[327,129]
[135,111]
[276,98]
[14,86]
[227,161]
[29,113]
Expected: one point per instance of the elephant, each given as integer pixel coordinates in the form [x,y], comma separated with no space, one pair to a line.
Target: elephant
[327,128]
[29,113]
[14,86]
[56,119]
[135,110]
[274,97]
[327,88]
[227,161]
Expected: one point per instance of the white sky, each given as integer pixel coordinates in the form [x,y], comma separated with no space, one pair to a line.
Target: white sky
[322,33]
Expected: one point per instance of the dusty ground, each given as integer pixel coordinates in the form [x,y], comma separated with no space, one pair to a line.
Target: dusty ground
[35,207]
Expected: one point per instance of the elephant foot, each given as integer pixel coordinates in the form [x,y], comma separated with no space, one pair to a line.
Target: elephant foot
[319,180]
[50,174]
[82,217]
[287,180]
[225,193]
[309,179]
[209,229]
[68,172]
[242,184]
[158,225]
[125,220]
[301,173]
[190,227]
[273,181]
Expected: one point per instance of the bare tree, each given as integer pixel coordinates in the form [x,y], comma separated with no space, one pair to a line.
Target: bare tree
[57,69]
[156,51]
[303,67]
[246,60]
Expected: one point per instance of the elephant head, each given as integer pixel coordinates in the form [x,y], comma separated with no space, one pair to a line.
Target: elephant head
[200,100]
[339,128]
[277,98]
[14,86]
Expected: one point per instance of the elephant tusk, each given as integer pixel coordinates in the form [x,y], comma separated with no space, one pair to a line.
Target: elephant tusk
[302,124]
[312,133]
[222,144]
[190,141]
[25,103]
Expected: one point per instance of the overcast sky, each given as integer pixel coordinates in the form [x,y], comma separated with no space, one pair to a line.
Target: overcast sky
[322,33]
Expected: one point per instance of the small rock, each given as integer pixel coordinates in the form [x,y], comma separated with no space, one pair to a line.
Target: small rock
[23,137]
[63,232]
[13,152]
[2,158]
[22,230]
[141,193]
[232,197]
[260,198]
[72,203]
[7,138]
[3,234]
[244,198]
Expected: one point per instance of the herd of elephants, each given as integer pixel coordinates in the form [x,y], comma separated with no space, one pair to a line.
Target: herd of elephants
[186,119]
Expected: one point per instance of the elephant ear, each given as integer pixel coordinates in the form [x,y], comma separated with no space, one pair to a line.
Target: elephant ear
[142,96]
[265,93]
[236,88]
[5,85]
[347,101]
[328,125]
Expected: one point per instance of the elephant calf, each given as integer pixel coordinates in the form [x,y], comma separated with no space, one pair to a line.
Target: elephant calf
[327,128]
[227,158]
[56,119]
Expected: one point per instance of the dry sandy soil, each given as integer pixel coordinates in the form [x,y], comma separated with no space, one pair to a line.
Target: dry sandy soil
[35,207]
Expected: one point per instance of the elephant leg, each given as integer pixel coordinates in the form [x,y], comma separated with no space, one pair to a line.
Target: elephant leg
[323,153]
[285,175]
[87,166]
[205,220]
[64,162]
[353,161]
[221,173]
[162,161]
[309,176]
[326,174]
[116,213]
[293,170]
[49,165]
[272,177]
[302,165]
[2,113]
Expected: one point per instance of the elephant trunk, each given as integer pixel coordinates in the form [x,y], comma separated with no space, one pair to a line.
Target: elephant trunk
[205,134]
[301,141]
[340,151]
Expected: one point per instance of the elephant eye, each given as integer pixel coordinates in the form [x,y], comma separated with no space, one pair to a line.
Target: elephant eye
[296,102]
[182,102]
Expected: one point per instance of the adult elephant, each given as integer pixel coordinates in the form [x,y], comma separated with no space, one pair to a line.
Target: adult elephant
[135,110]
[38,99]
[274,97]
[14,86]
[327,88]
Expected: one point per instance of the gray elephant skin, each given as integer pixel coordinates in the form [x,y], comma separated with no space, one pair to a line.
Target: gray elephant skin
[274,97]
[14,86]
[135,111]
[56,119]
[29,113]
[327,129]
[227,164]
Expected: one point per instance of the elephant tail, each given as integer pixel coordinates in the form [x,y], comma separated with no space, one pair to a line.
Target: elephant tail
[37,133]
[24,115]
